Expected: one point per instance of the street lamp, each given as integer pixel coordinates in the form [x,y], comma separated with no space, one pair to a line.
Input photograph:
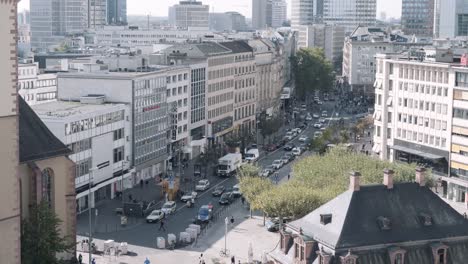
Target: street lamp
[122,186]
[90,178]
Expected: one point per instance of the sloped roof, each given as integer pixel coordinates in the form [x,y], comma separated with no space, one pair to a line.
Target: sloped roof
[354,217]
[36,142]
[237,46]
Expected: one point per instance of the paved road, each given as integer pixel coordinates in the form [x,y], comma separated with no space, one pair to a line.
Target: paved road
[145,234]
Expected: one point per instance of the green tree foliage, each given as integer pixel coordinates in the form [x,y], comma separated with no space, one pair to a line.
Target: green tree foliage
[248,170]
[269,126]
[40,237]
[252,187]
[312,72]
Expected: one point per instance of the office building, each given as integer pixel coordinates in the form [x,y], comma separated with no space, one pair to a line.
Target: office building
[36,88]
[10,212]
[421,115]
[450,18]
[328,37]
[279,9]
[304,12]
[190,15]
[146,93]
[98,134]
[417,17]
[360,48]
[261,14]
[229,21]
[117,12]
[51,21]
[24,17]
[98,13]
[244,87]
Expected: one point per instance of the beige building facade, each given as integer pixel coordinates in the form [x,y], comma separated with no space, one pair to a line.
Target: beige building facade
[10,214]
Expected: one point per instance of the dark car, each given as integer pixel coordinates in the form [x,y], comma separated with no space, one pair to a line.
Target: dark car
[271,147]
[288,147]
[290,156]
[218,191]
[205,213]
[272,225]
[226,198]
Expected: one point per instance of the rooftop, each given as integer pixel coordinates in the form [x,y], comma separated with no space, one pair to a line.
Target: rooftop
[36,142]
[375,215]
[61,109]
[114,74]
[237,46]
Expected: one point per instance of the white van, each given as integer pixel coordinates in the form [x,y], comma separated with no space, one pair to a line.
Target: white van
[252,155]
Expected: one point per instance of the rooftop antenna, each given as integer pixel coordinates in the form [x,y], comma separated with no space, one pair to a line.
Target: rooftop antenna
[149,21]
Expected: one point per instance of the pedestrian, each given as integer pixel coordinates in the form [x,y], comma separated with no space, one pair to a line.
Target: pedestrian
[147,261]
[289,176]
[242,200]
[80,259]
[93,261]
[141,183]
[233,260]
[161,226]
[201,260]
[130,197]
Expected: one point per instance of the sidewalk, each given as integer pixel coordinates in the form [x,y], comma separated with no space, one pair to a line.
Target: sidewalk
[210,244]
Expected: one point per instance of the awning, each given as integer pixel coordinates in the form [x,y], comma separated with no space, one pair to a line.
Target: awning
[376,148]
[417,152]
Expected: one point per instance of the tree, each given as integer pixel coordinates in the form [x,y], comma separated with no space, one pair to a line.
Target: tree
[252,187]
[312,72]
[269,126]
[248,170]
[40,236]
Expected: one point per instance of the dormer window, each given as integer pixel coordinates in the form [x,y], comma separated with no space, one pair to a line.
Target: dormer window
[397,255]
[325,219]
[426,220]
[349,258]
[398,258]
[384,223]
[439,252]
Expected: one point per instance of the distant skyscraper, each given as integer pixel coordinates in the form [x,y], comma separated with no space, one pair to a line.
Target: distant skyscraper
[349,13]
[227,22]
[51,20]
[190,14]
[98,12]
[260,18]
[23,17]
[450,18]
[117,12]
[278,13]
[302,12]
[417,17]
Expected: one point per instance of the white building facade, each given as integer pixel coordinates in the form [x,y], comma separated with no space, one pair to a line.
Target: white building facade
[36,88]
[421,116]
[191,14]
[99,136]
[146,94]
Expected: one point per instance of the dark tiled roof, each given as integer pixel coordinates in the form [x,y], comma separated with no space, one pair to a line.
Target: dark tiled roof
[212,48]
[36,142]
[238,46]
[354,220]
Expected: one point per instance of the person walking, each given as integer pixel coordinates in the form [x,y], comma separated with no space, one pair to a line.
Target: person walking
[161,225]
[289,176]
[80,259]
[233,260]
[201,260]
[242,200]
[93,261]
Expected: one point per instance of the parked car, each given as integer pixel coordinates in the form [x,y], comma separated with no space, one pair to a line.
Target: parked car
[297,130]
[303,107]
[205,214]
[289,135]
[296,151]
[188,197]
[149,207]
[218,191]
[168,207]
[202,185]
[155,216]
[316,98]
[267,171]
[288,147]
[303,139]
[303,147]
[324,113]
[272,225]
[322,120]
[285,159]
[270,147]
[226,198]
[303,125]
[315,115]
[308,117]
[236,191]
[290,156]
[317,134]
[277,164]
[319,102]
[318,125]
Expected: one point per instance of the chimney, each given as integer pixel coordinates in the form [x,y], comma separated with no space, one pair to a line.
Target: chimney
[420,176]
[354,181]
[388,178]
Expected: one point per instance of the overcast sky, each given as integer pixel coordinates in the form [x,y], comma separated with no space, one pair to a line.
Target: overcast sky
[160,7]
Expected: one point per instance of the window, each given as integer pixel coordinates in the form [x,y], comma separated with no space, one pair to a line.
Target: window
[441,256]
[399,258]
[118,134]
[47,182]
[118,154]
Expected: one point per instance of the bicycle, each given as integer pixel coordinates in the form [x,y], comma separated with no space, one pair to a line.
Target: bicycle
[224,253]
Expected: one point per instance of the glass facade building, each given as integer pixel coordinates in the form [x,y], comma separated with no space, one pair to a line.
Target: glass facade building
[117,12]
[417,17]
[450,18]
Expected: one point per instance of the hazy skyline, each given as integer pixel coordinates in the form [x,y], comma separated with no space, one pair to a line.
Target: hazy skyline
[160,7]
